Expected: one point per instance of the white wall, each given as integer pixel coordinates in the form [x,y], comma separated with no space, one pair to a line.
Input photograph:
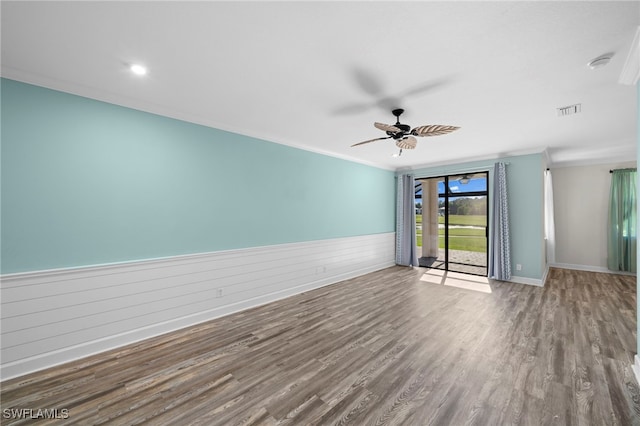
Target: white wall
[581,200]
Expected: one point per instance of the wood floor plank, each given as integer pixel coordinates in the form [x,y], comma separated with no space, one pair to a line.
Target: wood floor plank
[384,348]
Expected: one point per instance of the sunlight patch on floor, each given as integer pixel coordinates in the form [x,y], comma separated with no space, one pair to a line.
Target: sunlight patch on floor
[456,279]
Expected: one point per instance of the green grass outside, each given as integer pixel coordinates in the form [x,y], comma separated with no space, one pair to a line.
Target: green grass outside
[457,219]
[465,244]
[459,232]
[467,239]
[461,242]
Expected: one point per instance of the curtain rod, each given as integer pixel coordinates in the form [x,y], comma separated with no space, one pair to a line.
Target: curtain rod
[469,171]
[626,168]
[610,171]
[452,173]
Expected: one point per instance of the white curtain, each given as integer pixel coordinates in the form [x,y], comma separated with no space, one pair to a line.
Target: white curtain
[406,251]
[549,221]
[500,254]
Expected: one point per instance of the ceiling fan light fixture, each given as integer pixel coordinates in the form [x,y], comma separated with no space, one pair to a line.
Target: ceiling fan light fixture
[464,180]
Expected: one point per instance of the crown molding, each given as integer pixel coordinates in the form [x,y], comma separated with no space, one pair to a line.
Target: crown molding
[631,71]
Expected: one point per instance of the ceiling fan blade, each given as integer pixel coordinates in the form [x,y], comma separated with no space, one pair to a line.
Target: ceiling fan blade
[368,81]
[351,109]
[427,86]
[370,140]
[433,130]
[408,142]
[386,127]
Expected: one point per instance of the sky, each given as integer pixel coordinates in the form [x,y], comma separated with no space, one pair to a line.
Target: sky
[475,184]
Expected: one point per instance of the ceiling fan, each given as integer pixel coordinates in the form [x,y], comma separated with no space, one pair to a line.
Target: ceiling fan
[404,135]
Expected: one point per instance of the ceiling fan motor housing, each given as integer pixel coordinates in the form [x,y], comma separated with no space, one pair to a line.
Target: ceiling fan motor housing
[404,127]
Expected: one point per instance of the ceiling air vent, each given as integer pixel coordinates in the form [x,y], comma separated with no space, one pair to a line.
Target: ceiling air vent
[569,110]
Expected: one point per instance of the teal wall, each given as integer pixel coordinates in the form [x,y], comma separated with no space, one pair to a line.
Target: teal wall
[526,215]
[86,182]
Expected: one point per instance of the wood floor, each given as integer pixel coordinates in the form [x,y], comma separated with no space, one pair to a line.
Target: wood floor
[384,348]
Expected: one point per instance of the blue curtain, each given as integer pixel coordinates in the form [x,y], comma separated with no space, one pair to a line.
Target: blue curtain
[500,254]
[406,251]
[622,232]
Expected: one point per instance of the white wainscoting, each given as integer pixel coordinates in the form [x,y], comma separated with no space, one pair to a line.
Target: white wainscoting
[52,317]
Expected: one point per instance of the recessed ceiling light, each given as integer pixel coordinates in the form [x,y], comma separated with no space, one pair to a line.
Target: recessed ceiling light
[600,61]
[138,69]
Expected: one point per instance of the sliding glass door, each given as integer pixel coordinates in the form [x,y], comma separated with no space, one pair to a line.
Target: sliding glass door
[452,216]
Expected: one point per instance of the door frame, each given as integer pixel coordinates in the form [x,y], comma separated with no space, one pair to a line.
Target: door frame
[446,195]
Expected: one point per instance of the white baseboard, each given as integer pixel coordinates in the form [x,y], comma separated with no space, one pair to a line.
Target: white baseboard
[544,276]
[636,367]
[53,317]
[588,268]
[529,281]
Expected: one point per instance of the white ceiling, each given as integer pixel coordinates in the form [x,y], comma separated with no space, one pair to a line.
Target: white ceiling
[316,75]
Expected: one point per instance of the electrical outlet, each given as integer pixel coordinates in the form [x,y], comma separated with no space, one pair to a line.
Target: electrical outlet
[518,267]
[219,292]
